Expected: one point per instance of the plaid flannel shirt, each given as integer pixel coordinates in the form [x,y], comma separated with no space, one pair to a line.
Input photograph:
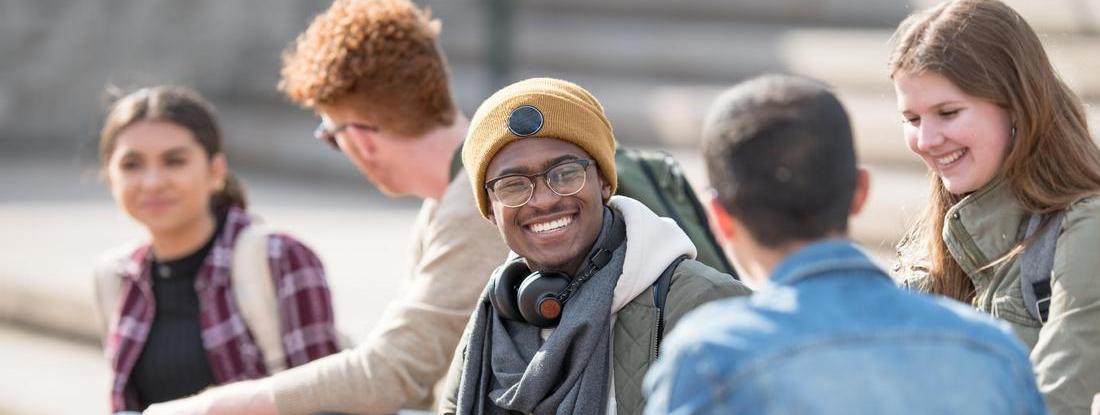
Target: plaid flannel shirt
[305,305]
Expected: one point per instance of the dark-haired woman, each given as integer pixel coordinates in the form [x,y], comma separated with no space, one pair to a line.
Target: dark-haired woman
[175,325]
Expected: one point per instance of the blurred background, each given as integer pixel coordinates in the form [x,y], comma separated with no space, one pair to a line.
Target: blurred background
[654,64]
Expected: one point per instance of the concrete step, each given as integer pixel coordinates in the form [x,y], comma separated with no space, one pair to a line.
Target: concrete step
[855,13]
[694,50]
[1061,16]
[46,375]
[1064,16]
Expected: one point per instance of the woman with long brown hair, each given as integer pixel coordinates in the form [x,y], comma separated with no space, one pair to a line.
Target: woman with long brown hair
[176,321]
[1010,160]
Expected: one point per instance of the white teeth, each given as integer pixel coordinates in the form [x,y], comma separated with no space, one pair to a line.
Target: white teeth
[551,225]
[950,158]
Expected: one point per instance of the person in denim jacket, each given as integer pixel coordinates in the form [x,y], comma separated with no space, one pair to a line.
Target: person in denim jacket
[828,332]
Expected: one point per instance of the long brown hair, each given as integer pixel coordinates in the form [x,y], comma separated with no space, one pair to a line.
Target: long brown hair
[987,50]
[179,106]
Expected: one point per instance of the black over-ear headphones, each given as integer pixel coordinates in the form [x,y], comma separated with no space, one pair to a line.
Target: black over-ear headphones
[538,292]
[537,298]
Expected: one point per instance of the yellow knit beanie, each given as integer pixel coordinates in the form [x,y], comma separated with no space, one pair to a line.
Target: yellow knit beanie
[537,108]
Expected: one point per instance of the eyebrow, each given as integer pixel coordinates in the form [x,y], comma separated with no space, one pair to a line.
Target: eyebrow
[546,165]
[935,107]
[174,151]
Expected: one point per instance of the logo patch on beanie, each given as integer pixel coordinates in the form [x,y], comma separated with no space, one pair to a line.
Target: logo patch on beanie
[525,121]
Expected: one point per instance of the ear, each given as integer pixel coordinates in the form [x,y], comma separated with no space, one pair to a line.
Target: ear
[219,169]
[605,188]
[492,217]
[863,188]
[357,147]
[721,222]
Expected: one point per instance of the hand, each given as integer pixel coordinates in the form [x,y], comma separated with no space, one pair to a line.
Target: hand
[251,397]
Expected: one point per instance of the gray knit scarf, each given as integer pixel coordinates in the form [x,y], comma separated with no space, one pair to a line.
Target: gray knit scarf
[508,368]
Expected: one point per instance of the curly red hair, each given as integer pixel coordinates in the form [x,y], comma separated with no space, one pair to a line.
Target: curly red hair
[378,56]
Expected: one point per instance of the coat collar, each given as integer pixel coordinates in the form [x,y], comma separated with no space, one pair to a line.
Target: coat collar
[983,226]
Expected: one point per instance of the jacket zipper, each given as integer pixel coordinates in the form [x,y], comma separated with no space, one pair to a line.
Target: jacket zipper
[656,337]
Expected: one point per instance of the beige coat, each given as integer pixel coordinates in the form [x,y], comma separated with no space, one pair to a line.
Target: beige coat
[410,349]
[1066,350]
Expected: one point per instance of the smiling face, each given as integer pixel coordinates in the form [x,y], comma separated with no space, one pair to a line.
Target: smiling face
[162,177]
[962,138]
[552,232]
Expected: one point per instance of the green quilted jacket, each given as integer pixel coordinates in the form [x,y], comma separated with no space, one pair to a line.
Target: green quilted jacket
[633,339]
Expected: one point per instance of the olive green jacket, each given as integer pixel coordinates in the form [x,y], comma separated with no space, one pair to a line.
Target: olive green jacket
[1066,350]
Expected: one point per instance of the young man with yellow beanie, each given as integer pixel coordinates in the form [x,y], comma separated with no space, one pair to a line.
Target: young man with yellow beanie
[568,324]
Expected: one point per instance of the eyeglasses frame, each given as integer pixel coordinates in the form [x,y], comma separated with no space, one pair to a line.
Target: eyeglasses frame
[531,179]
[323,133]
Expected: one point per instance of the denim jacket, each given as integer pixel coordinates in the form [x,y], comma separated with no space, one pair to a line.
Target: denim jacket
[831,334]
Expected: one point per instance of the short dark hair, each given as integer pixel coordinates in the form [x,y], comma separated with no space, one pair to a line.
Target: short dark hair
[780,156]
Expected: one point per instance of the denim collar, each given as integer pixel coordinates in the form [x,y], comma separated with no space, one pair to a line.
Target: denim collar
[822,257]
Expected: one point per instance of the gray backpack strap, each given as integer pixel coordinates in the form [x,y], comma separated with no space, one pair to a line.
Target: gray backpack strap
[1036,263]
[660,296]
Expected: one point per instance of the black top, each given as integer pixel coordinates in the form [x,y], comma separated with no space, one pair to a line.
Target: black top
[173,363]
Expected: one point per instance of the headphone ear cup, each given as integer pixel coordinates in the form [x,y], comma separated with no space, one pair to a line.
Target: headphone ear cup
[506,282]
[538,298]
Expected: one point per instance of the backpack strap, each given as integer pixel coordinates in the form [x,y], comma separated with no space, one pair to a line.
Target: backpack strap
[456,163]
[255,294]
[1036,263]
[660,296]
[109,269]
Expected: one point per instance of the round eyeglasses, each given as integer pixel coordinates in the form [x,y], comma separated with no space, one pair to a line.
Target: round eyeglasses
[515,190]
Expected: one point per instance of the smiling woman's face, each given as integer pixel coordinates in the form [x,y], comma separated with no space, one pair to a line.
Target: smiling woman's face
[552,232]
[962,138]
[161,176]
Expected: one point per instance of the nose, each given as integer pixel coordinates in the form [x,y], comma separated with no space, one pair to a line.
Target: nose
[928,137]
[541,195]
[153,177]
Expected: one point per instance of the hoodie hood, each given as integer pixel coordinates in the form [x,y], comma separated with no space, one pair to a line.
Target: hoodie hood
[652,242]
